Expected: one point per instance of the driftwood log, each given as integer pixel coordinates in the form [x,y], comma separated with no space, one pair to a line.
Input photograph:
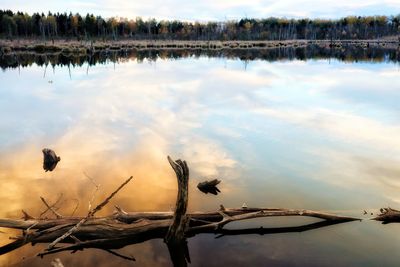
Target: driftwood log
[388,215]
[125,228]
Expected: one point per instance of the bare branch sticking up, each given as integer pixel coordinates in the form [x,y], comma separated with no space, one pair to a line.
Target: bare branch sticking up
[53,205]
[90,214]
[58,215]
[97,188]
[26,216]
[175,237]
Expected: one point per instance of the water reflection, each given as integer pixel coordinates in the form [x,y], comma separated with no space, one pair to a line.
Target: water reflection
[347,53]
[313,134]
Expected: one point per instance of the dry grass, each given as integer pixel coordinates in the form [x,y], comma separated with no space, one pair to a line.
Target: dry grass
[84,47]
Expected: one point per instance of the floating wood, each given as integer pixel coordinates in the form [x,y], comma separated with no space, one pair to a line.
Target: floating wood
[126,228]
[388,215]
[50,159]
[209,187]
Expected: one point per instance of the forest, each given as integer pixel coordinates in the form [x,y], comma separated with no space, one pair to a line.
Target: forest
[63,25]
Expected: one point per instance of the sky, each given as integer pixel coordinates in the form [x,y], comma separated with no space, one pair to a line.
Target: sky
[205,10]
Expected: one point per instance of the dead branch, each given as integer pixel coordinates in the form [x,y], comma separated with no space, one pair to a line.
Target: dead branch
[90,214]
[107,232]
[26,216]
[105,202]
[58,215]
[125,228]
[52,206]
[388,215]
[76,207]
[215,216]
[97,188]
[175,237]
[133,217]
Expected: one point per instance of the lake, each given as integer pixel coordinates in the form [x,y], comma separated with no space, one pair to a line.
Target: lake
[288,129]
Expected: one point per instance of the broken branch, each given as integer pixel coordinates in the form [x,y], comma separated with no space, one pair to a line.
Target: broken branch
[58,215]
[90,214]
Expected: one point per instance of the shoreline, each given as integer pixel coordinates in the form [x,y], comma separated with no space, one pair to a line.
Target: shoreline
[89,47]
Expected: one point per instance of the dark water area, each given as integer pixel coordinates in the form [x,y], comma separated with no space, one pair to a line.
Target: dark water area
[302,128]
[346,53]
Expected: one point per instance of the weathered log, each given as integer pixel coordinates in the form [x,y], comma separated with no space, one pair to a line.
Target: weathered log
[132,217]
[112,233]
[129,217]
[388,215]
[124,228]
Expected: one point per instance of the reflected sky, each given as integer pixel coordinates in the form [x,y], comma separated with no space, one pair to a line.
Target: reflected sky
[317,134]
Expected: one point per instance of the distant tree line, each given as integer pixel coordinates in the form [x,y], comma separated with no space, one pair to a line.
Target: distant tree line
[63,25]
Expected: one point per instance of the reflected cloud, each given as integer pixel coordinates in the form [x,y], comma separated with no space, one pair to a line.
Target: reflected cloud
[348,127]
[207,158]
[377,176]
[281,133]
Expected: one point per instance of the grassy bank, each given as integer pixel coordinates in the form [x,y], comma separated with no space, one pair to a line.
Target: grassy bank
[87,47]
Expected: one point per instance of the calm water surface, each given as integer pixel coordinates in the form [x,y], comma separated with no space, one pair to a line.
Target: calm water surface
[317,134]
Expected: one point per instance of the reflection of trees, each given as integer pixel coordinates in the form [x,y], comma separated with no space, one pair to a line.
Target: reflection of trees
[127,228]
[347,53]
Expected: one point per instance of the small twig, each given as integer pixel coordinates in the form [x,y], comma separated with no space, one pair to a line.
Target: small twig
[105,202]
[26,233]
[58,215]
[130,258]
[76,207]
[27,216]
[90,214]
[94,192]
[120,210]
[52,206]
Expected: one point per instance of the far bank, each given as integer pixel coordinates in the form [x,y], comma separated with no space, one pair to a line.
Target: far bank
[93,46]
